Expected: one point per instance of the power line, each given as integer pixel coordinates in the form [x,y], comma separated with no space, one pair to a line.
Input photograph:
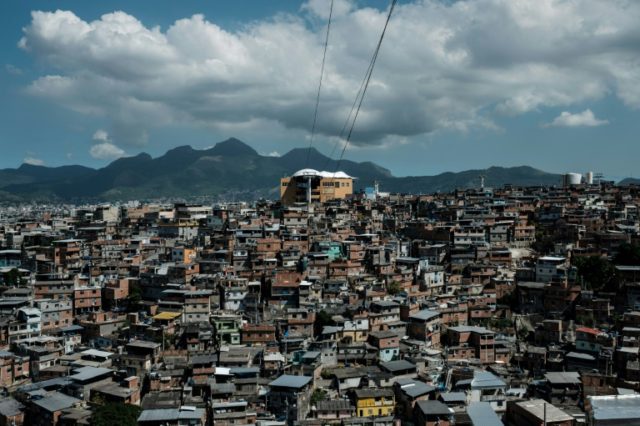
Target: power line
[346,122]
[324,55]
[366,81]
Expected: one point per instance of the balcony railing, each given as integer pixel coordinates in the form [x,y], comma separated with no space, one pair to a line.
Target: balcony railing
[492,398]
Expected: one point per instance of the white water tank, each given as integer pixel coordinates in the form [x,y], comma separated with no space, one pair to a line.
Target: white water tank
[589,178]
[572,179]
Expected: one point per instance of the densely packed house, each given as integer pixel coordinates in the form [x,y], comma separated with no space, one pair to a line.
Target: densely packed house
[510,306]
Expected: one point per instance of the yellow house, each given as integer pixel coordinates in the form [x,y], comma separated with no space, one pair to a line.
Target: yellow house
[357,330]
[374,402]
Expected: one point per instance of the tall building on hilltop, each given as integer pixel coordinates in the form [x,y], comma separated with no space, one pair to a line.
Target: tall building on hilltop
[309,185]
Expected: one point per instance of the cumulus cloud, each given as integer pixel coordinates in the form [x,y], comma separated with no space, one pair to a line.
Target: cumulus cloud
[106,151]
[443,65]
[33,161]
[585,118]
[321,8]
[101,136]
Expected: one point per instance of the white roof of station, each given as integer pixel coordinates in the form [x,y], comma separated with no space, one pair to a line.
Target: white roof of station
[323,174]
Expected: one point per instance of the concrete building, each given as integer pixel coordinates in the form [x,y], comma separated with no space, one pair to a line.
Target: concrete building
[290,396]
[309,185]
[535,412]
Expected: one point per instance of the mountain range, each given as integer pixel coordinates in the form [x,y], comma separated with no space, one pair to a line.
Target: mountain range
[230,168]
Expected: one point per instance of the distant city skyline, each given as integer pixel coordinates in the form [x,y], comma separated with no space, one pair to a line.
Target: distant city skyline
[458,85]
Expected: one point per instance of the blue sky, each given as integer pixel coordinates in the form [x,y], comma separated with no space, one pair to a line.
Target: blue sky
[458,85]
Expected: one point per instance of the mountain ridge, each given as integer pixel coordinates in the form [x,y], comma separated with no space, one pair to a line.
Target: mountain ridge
[229,167]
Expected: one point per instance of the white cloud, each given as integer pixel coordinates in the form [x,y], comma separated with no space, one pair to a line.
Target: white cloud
[273,154]
[104,148]
[101,136]
[106,151]
[12,69]
[321,8]
[585,118]
[33,161]
[443,66]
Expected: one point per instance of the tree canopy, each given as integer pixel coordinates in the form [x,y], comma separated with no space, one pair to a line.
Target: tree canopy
[394,288]
[116,414]
[597,273]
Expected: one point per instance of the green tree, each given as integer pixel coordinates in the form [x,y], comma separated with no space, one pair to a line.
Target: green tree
[13,277]
[318,395]
[116,414]
[394,288]
[510,299]
[135,296]
[597,272]
[322,319]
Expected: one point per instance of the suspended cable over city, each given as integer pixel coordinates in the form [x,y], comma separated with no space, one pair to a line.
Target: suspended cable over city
[324,56]
[365,84]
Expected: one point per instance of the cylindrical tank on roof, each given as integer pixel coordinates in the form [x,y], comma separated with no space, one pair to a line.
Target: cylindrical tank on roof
[589,178]
[572,179]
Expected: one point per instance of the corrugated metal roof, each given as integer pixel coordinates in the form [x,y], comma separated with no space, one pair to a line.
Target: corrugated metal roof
[170,414]
[485,379]
[10,407]
[617,407]
[56,401]
[414,388]
[87,373]
[542,409]
[481,414]
[453,396]
[563,377]
[425,314]
[288,381]
[434,408]
[398,365]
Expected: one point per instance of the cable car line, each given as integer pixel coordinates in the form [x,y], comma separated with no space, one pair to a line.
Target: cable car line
[365,86]
[324,55]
